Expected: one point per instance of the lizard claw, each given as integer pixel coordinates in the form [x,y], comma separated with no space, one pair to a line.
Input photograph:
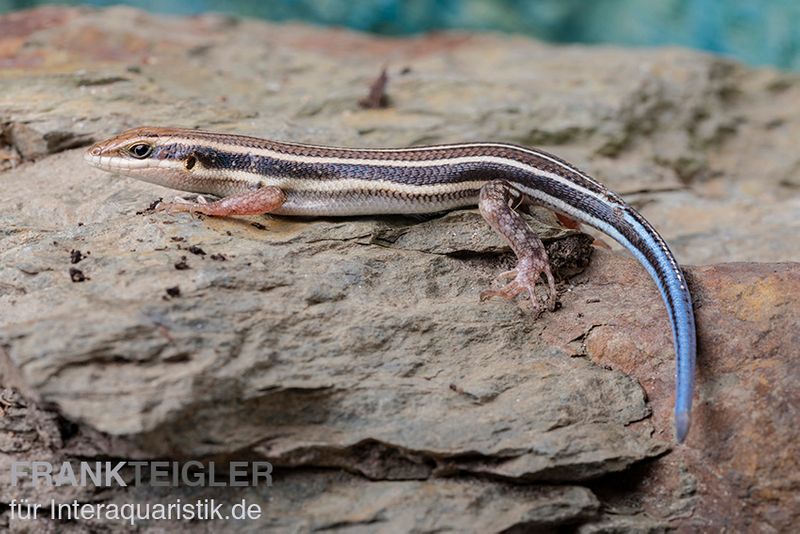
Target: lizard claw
[178,204]
[525,276]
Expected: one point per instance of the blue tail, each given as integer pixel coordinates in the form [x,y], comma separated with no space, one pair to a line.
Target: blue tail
[652,252]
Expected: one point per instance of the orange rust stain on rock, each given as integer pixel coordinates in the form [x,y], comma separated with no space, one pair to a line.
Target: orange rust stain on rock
[11,54]
[23,23]
[753,301]
[17,27]
[98,44]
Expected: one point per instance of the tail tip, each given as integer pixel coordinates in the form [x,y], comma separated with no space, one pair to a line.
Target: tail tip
[682,423]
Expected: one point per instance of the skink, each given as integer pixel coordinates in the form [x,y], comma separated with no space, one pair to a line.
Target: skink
[256,176]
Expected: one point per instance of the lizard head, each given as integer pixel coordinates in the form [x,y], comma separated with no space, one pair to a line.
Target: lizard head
[156,155]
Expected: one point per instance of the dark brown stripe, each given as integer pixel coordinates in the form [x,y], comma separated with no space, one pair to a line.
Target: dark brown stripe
[431,152]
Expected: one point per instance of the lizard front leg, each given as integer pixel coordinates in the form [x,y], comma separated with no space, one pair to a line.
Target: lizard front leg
[496,199]
[257,202]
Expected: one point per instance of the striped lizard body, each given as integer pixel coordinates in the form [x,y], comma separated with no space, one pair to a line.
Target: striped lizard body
[255,176]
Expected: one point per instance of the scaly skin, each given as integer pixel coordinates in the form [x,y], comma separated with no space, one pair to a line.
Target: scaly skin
[256,176]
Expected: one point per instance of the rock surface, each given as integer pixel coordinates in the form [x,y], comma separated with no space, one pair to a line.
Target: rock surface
[353,354]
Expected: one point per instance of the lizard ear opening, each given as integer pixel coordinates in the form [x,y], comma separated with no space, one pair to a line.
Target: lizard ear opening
[190,162]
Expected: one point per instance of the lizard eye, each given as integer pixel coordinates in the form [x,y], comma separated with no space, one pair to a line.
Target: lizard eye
[140,150]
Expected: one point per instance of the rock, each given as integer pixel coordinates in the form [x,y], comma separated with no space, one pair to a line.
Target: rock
[353,354]
[163,369]
[747,324]
[340,501]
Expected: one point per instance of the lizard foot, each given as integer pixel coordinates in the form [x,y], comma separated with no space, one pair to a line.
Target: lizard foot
[525,275]
[180,204]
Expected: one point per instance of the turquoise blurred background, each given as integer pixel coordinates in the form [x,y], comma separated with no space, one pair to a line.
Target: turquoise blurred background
[754,31]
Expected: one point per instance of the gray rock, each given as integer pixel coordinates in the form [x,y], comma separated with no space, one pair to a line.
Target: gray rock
[353,353]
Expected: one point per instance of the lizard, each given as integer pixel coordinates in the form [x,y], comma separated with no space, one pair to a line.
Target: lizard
[253,176]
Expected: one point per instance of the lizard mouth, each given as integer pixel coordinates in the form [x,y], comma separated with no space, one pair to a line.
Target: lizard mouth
[107,163]
[93,157]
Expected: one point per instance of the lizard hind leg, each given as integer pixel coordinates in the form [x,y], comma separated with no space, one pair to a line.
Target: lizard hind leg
[497,199]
